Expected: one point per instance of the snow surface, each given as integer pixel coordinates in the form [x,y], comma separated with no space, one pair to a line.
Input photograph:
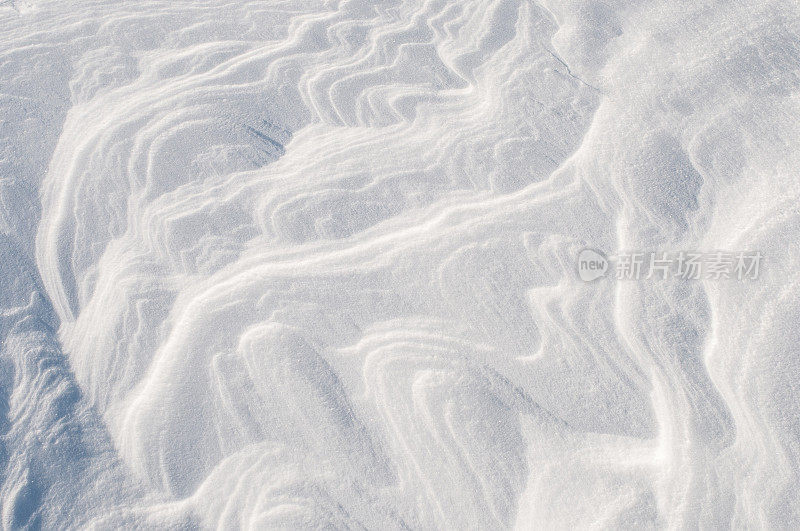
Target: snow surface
[312,264]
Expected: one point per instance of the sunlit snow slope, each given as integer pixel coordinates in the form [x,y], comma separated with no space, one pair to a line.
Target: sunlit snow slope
[312,264]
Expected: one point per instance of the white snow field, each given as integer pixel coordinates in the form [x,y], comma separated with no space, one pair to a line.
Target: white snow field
[312,264]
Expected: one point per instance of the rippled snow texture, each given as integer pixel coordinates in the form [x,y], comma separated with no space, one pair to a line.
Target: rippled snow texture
[312,263]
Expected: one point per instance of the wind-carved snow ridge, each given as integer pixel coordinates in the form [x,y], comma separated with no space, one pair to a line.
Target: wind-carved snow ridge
[313,264]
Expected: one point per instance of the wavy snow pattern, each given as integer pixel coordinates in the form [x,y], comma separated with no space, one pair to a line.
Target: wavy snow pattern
[311,264]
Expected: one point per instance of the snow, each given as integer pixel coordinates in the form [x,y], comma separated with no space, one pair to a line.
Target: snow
[313,264]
